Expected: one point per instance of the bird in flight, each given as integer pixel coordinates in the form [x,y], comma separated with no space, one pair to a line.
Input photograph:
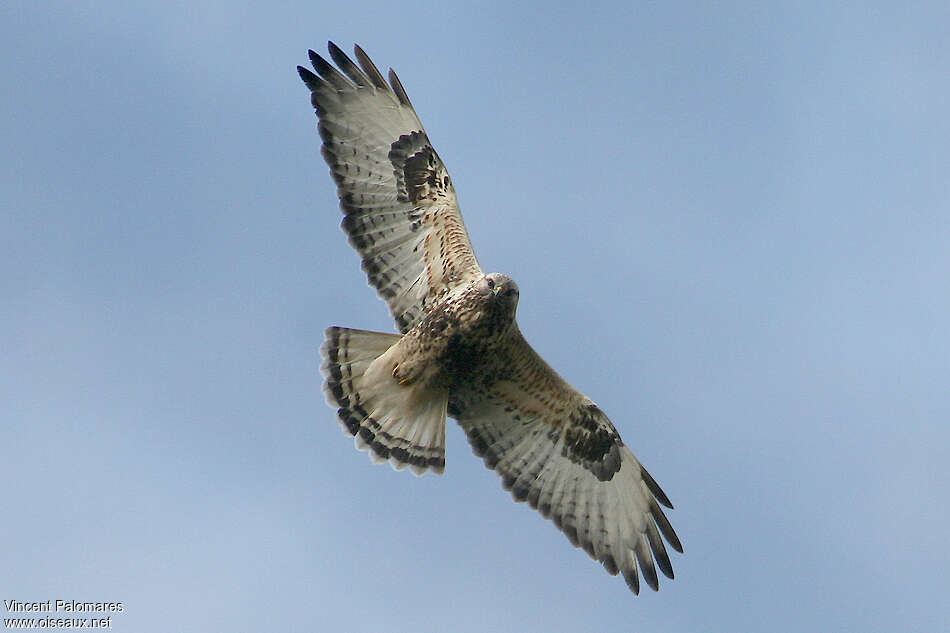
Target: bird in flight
[460,352]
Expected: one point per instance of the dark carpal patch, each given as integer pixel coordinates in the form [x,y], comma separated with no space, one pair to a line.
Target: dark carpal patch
[420,174]
[592,443]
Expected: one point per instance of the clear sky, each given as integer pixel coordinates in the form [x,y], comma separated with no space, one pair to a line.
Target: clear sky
[730,224]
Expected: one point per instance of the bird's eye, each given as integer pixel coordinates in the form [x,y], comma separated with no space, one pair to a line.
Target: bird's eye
[491,283]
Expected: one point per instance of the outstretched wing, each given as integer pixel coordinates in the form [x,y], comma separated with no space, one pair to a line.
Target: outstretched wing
[401,213]
[555,449]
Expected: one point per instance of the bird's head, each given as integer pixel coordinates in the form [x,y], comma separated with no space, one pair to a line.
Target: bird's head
[501,290]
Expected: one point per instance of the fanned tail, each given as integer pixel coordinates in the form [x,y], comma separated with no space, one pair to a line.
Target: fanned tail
[404,424]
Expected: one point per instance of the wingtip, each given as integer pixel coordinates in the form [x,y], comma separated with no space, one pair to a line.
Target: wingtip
[370,68]
[632,580]
[398,89]
[653,581]
[655,488]
[310,80]
[315,58]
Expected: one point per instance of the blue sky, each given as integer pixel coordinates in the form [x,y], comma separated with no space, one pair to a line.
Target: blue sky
[731,228]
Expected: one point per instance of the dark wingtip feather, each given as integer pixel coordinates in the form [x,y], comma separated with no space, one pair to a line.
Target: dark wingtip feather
[314,56]
[313,82]
[328,73]
[346,64]
[663,562]
[632,580]
[655,488]
[665,566]
[370,68]
[659,551]
[649,573]
[398,89]
[664,524]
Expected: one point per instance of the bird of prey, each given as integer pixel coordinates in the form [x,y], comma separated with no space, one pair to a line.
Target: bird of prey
[460,351]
